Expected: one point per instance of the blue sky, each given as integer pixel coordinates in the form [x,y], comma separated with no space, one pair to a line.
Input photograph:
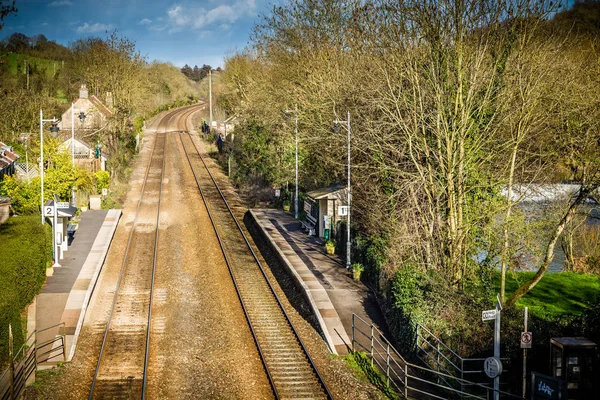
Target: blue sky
[193,32]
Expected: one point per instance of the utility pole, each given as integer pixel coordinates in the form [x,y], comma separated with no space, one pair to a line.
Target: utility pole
[348,243]
[296,196]
[73,134]
[525,359]
[210,99]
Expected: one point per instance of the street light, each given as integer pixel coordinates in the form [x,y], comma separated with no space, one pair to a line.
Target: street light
[295,111]
[53,131]
[347,123]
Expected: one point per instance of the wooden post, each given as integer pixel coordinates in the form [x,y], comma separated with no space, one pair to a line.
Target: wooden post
[11,363]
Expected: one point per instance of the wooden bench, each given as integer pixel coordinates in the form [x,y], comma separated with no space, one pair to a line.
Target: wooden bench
[309,225]
[71,229]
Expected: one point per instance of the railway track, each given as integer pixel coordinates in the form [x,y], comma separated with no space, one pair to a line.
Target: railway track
[121,369]
[290,369]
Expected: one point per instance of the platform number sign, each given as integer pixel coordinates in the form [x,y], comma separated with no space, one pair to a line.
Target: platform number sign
[48,211]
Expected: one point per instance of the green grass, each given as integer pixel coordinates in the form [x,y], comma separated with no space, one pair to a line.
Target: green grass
[564,293]
[15,64]
[361,366]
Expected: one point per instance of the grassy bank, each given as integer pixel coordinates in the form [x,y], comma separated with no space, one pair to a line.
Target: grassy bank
[564,293]
[24,253]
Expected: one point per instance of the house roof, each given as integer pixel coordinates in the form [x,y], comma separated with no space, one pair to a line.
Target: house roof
[67,143]
[63,212]
[327,192]
[100,106]
[7,155]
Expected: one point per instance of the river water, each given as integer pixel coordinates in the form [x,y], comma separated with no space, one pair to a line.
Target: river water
[536,201]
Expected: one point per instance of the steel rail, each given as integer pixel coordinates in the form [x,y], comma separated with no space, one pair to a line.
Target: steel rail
[259,264]
[124,263]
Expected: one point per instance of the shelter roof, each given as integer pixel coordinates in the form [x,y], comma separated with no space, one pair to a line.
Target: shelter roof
[330,192]
[62,212]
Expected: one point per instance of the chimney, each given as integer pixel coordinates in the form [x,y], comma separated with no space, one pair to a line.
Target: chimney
[83,92]
[109,100]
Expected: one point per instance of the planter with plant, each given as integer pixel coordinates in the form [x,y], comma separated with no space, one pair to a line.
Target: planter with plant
[330,247]
[357,270]
[286,205]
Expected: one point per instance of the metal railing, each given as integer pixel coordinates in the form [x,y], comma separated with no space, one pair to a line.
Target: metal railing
[25,361]
[436,355]
[410,380]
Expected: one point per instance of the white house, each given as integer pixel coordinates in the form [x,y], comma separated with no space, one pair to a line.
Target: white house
[85,155]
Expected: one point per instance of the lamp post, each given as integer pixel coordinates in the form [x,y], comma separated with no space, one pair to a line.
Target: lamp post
[81,117]
[295,111]
[347,123]
[54,130]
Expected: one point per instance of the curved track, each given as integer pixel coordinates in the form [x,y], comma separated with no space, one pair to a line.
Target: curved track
[122,365]
[288,365]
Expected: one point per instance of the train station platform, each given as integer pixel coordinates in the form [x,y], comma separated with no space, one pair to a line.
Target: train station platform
[66,294]
[332,293]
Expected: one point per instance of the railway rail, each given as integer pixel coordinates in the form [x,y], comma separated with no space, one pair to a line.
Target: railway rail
[122,365]
[121,369]
[288,365]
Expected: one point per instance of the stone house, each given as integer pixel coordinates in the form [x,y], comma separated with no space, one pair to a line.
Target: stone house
[4,208]
[97,114]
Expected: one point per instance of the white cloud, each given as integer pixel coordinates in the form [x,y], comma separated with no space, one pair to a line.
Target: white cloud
[181,18]
[45,24]
[60,3]
[97,27]
[145,21]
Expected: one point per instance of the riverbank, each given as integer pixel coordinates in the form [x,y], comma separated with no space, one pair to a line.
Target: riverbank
[557,294]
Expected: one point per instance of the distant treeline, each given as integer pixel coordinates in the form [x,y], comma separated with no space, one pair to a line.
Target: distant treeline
[197,74]
[35,46]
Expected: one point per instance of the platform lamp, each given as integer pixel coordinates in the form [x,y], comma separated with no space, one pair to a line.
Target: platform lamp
[53,132]
[336,125]
[295,112]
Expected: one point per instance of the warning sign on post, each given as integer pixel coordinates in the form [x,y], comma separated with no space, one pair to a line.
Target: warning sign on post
[526,338]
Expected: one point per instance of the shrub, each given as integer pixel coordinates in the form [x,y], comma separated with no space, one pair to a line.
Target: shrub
[25,253]
[102,180]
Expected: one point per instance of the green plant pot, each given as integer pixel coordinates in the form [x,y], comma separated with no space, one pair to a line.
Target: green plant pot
[330,249]
[286,207]
[356,275]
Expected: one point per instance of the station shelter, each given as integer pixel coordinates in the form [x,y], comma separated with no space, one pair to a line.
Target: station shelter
[61,230]
[324,207]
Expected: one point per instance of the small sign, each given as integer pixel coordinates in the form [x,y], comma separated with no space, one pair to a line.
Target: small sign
[492,367]
[343,211]
[488,315]
[62,204]
[546,387]
[277,192]
[48,211]
[104,192]
[526,338]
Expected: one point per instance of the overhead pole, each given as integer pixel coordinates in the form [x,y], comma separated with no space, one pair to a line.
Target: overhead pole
[210,99]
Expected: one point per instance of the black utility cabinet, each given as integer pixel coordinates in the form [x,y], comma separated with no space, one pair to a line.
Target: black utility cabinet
[574,359]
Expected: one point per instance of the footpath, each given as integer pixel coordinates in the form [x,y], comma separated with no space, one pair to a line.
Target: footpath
[65,296]
[332,293]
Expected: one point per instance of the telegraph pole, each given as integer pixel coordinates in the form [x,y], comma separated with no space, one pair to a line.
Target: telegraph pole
[210,99]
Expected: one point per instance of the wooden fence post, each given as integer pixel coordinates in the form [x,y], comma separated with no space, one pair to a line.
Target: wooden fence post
[11,363]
